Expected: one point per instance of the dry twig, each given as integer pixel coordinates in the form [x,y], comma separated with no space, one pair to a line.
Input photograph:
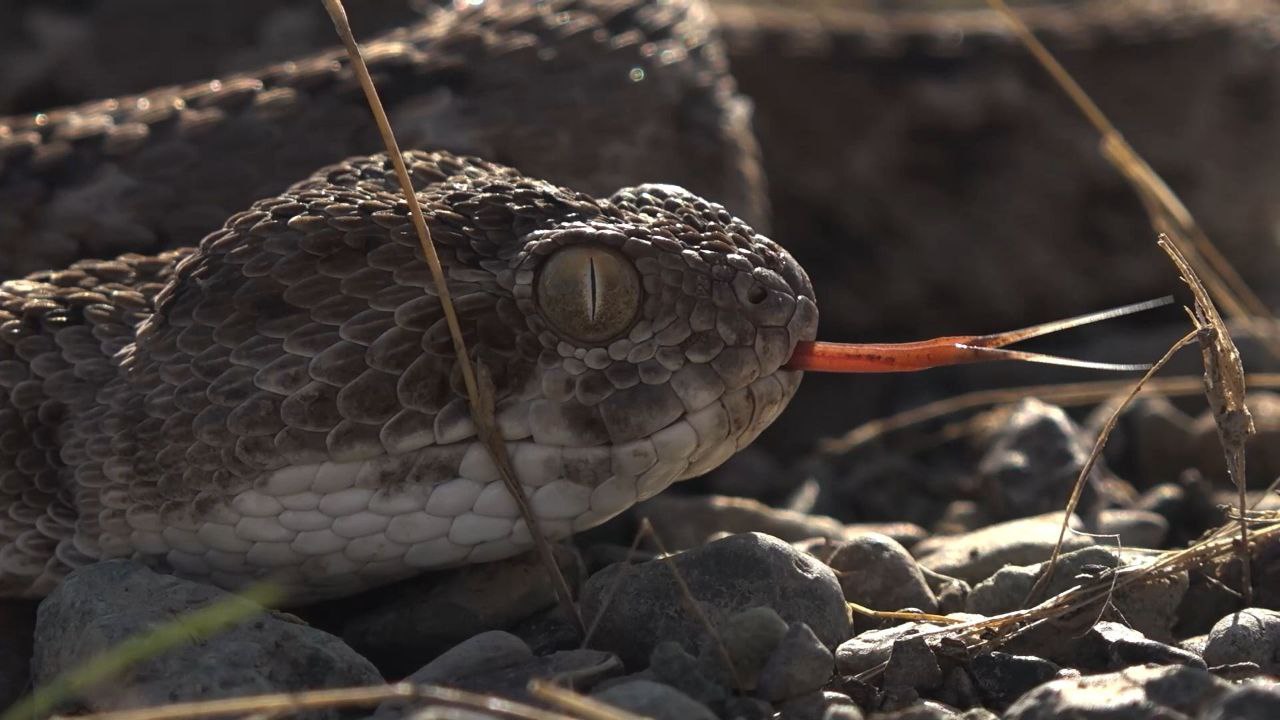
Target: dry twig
[1224,386]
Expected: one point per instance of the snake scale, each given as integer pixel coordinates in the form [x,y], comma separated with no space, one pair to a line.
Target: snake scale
[283,401]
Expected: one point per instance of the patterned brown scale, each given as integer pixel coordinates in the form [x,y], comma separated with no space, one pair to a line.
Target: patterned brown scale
[284,401]
[649,97]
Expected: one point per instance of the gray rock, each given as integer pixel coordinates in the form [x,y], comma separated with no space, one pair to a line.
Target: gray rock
[896,699]
[480,655]
[1122,647]
[912,664]
[744,707]
[1211,595]
[1003,678]
[871,648]
[1153,440]
[748,638]
[958,689]
[101,605]
[977,714]
[927,710]
[1033,462]
[580,670]
[548,631]
[1237,672]
[724,578]
[1151,608]
[1194,644]
[952,593]
[800,664]
[654,700]
[1251,635]
[977,555]
[842,712]
[1136,693]
[420,618]
[1135,528]
[483,653]
[962,516]
[1252,701]
[670,664]
[1262,452]
[877,572]
[687,521]
[17,625]
[820,705]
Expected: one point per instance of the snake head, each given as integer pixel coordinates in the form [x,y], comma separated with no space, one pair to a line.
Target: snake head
[300,360]
[664,326]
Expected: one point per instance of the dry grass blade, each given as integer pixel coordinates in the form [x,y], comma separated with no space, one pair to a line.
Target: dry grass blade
[901,615]
[1168,213]
[1078,489]
[479,387]
[275,705]
[1224,386]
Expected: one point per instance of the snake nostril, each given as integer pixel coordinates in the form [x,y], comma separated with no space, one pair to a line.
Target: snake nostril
[756,294]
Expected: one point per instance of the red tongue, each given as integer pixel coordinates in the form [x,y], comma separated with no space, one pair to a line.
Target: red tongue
[954,350]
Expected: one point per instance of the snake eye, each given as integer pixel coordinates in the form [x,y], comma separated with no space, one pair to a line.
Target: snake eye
[588,292]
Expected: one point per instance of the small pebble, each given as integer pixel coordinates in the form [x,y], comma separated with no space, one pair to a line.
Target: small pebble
[1033,462]
[800,664]
[403,626]
[1153,440]
[1134,528]
[742,707]
[749,638]
[1003,678]
[1262,453]
[670,664]
[635,607]
[1124,646]
[482,653]
[1251,635]
[977,555]
[877,572]
[1136,693]
[654,700]
[820,705]
[1251,701]
[912,664]
[871,648]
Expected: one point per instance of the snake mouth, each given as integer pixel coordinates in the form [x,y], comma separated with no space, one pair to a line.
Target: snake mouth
[818,356]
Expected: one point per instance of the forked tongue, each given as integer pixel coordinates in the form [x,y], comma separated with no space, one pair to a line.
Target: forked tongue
[821,356]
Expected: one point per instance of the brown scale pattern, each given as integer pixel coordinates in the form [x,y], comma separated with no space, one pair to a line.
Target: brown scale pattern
[546,87]
[147,393]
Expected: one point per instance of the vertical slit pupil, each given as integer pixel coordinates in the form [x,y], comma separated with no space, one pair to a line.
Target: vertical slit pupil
[591,278]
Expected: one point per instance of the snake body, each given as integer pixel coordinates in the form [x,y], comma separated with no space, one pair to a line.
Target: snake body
[594,94]
[284,402]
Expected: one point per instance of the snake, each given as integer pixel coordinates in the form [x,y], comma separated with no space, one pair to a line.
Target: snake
[281,399]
